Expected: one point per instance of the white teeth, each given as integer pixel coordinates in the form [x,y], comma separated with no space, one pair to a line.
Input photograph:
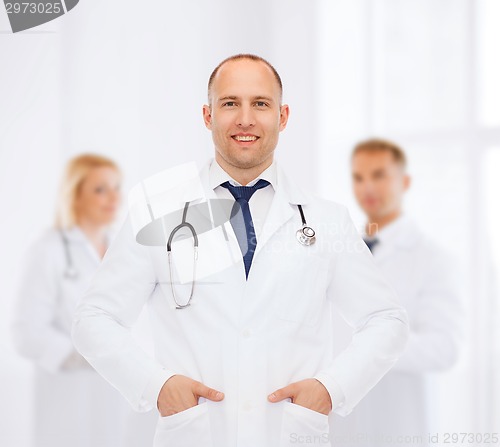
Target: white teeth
[245,138]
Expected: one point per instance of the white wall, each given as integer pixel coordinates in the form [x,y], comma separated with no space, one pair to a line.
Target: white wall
[31,158]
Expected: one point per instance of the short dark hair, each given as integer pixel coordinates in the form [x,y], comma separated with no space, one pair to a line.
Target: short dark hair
[242,56]
[381,145]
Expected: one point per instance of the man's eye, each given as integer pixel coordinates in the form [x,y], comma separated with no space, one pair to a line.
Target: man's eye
[229,104]
[261,104]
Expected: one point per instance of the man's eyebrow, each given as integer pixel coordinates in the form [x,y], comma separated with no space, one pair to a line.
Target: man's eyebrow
[225,98]
[266,98]
[256,98]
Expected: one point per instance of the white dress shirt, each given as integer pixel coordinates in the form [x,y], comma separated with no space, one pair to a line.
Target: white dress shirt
[261,200]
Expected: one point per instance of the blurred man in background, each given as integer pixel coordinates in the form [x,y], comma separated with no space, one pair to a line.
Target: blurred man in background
[425,280]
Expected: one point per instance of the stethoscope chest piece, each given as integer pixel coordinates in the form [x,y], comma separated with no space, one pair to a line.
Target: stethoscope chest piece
[306,235]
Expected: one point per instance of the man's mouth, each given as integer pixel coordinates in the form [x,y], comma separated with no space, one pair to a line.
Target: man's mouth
[245,138]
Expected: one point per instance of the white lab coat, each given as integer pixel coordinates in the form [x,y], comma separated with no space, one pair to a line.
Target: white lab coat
[247,338]
[400,408]
[74,407]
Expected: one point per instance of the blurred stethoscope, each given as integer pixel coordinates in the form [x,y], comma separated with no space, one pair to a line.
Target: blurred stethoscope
[305,235]
[70,271]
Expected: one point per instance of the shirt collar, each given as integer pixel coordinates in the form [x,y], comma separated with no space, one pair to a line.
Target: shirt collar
[217,176]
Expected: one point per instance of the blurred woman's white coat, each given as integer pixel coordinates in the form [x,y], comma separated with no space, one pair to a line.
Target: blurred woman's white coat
[74,405]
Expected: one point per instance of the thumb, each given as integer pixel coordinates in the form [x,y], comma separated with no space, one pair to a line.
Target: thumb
[208,393]
[281,394]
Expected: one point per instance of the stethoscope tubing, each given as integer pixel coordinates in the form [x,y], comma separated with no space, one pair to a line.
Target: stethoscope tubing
[70,272]
[305,235]
[183,224]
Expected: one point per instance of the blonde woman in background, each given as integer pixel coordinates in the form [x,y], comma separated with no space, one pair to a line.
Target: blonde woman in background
[74,405]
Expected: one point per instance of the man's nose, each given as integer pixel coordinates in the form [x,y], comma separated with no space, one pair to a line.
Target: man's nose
[368,187]
[246,117]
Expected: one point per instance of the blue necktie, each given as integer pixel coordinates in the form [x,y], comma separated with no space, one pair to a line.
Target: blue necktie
[371,243]
[242,221]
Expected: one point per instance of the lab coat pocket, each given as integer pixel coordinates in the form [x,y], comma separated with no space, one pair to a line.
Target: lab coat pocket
[301,425]
[188,428]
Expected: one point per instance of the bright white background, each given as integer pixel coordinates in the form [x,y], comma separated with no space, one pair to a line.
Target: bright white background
[128,79]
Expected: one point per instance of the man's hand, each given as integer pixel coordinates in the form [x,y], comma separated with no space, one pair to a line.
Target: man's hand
[309,393]
[180,393]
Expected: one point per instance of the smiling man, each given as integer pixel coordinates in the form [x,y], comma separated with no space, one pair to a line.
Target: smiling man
[251,364]
[245,116]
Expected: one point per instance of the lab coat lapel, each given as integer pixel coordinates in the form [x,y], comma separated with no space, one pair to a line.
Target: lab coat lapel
[204,178]
[212,198]
[210,194]
[279,213]
[283,207]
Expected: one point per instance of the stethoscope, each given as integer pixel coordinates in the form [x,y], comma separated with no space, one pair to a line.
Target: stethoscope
[187,225]
[305,235]
[70,271]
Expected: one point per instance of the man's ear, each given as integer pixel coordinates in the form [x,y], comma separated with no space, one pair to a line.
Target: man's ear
[284,114]
[207,116]
[406,182]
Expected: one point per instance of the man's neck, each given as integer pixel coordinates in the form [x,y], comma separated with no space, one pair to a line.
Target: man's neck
[375,224]
[243,175]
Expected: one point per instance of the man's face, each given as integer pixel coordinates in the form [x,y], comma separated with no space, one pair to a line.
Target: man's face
[379,183]
[244,114]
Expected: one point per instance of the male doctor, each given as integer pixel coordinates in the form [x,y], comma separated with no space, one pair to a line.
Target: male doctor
[250,363]
[423,274]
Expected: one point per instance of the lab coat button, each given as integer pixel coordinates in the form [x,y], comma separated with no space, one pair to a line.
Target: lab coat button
[247,333]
